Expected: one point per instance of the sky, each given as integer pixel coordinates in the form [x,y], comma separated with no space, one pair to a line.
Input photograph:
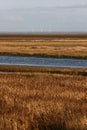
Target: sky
[43,16]
[5,4]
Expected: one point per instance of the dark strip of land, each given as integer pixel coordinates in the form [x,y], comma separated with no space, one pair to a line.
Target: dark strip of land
[13,37]
[43,70]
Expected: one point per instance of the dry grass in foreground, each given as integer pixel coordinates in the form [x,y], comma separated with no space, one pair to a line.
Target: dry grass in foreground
[43,101]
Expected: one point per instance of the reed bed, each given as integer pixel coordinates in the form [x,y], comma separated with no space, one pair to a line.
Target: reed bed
[43,101]
[42,98]
[69,48]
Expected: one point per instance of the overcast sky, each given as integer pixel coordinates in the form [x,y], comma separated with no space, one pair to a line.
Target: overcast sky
[4,4]
[43,15]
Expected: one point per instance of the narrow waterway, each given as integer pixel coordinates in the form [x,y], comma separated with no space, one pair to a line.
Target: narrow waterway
[40,61]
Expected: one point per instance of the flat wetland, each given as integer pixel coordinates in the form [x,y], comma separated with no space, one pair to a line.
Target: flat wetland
[69,46]
[43,98]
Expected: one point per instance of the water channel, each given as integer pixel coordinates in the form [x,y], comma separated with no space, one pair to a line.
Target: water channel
[40,61]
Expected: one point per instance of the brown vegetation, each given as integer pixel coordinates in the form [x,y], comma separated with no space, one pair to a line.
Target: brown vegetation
[42,98]
[43,101]
[46,70]
[13,37]
[45,45]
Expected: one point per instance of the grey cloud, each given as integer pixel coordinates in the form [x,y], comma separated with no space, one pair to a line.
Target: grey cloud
[5,4]
[43,15]
[52,19]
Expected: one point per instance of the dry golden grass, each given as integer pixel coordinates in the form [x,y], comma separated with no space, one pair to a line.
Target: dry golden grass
[37,98]
[55,48]
[43,101]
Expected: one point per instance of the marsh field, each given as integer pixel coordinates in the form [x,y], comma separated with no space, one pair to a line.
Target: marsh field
[68,45]
[43,98]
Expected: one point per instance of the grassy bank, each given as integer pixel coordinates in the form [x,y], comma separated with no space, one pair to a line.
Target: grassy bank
[74,46]
[43,70]
[45,99]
